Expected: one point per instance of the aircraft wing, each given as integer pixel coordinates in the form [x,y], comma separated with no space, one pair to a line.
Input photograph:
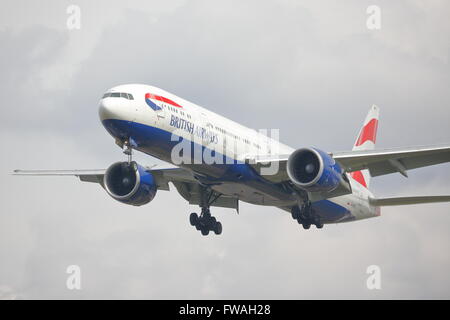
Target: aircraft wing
[163,174]
[378,162]
[381,162]
[182,179]
[90,175]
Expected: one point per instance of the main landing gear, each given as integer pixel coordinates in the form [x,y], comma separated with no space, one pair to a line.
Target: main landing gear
[206,222]
[306,216]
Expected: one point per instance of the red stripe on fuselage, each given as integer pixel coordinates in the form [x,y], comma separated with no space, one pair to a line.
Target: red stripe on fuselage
[358,176]
[160,98]
[369,132]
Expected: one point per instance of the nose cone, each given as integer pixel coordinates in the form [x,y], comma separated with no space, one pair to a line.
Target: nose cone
[110,109]
[116,115]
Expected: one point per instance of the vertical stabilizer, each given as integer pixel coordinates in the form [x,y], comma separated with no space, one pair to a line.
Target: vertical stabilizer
[366,141]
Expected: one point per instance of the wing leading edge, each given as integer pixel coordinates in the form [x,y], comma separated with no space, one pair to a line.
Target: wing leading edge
[184,181]
[382,162]
[163,174]
[90,175]
[378,162]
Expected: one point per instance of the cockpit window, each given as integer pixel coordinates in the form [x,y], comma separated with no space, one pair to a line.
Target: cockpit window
[118,95]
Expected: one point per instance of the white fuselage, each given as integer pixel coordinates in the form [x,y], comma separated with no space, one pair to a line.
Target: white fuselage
[159,118]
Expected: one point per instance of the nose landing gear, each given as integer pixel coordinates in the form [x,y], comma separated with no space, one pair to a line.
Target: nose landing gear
[128,150]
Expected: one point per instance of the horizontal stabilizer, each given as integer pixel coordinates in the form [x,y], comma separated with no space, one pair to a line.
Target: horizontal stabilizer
[399,201]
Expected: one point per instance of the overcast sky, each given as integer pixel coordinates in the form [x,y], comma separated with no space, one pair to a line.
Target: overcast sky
[310,68]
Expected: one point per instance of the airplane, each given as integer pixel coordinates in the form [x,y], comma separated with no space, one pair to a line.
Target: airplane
[216,162]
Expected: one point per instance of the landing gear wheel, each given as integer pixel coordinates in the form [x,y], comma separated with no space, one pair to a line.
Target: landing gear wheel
[295,213]
[218,228]
[193,219]
[306,226]
[317,221]
[212,223]
[205,223]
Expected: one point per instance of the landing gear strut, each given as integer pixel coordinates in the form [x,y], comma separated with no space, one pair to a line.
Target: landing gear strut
[128,150]
[306,216]
[206,222]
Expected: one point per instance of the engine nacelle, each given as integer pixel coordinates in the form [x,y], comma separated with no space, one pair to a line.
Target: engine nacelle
[130,183]
[313,170]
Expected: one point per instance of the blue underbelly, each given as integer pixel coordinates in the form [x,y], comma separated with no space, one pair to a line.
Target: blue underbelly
[331,212]
[158,143]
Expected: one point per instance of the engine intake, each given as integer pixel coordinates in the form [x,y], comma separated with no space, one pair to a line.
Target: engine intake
[130,183]
[313,170]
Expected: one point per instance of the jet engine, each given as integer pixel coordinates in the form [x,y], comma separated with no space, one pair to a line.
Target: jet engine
[130,183]
[313,170]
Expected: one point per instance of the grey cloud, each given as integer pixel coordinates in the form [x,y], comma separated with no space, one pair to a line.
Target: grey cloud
[307,68]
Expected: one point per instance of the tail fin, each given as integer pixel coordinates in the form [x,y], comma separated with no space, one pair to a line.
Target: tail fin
[366,141]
